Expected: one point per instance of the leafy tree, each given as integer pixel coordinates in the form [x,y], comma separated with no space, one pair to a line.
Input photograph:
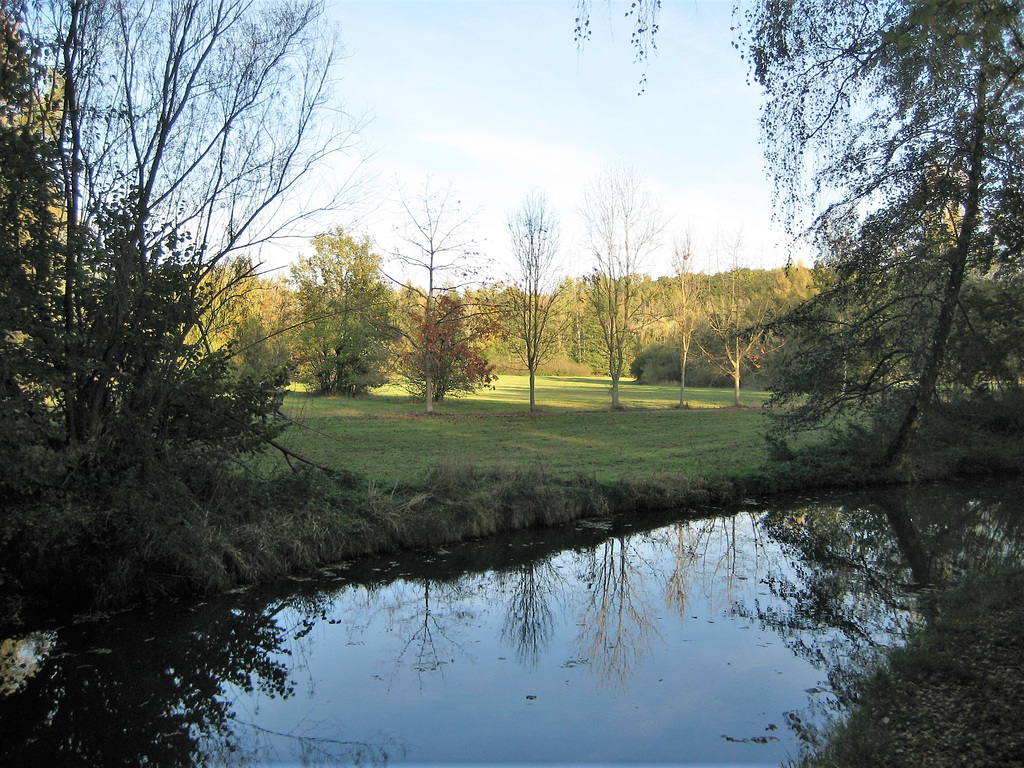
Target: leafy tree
[905,117]
[622,224]
[346,312]
[986,346]
[534,234]
[447,347]
[263,337]
[580,331]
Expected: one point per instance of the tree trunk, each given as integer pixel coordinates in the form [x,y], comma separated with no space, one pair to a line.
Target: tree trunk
[896,453]
[615,392]
[682,378]
[70,134]
[533,396]
[737,360]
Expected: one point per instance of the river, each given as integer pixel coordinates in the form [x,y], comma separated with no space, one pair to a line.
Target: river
[725,640]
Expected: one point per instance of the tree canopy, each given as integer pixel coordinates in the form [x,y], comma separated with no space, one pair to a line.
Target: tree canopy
[893,131]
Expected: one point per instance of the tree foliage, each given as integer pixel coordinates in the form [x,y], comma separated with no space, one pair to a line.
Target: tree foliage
[446,345]
[899,123]
[346,311]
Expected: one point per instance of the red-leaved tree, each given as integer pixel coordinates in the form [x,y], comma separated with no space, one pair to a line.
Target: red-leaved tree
[446,346]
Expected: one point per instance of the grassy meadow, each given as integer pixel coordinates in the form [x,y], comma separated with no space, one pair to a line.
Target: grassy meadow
[388,438]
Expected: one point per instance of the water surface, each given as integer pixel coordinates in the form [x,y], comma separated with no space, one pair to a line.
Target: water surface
[719,641]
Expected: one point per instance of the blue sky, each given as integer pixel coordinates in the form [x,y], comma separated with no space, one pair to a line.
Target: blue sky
[495,98]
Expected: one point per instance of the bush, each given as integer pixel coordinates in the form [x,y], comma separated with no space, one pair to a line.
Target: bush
[659,363]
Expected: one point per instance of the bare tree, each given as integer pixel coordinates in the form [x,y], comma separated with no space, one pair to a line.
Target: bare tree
[623,224]
[436,243]
[736,315]
[185,128]
[686,303]
[535,235]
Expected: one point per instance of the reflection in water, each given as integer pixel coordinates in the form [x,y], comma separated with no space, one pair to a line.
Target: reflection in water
[529,624]
[676,630]
[616,627]
[857,569]
[163,698]
[427,617]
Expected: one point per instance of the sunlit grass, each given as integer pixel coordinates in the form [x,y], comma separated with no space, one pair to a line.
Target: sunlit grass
[386,437]
[511,394]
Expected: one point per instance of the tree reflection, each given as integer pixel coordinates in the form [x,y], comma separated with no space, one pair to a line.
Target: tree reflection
[615,630]
[427,616]
[845,595]
[711,558]
[529,620]
[858,568]
[164,699]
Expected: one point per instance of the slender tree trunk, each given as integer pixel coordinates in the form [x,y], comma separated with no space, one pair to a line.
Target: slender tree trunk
[70,134]
[615,392]
[736,375]
[428,374]
[533,395]
[682,376]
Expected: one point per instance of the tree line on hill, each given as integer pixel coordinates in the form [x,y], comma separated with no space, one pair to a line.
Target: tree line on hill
[342,328]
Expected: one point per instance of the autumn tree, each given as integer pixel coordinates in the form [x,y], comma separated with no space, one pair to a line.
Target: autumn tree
[346,315]
[622,226]
[448,346]
[263,337]
[535,236]
[437,246]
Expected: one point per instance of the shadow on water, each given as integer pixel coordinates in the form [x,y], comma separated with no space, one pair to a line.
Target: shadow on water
[864,566]
[595,615]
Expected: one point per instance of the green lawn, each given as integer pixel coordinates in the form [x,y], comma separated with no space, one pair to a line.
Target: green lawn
[387,437]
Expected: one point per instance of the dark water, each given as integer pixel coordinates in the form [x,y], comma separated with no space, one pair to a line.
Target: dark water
[721,641]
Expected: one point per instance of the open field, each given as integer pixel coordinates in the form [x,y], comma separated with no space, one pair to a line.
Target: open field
[387,438]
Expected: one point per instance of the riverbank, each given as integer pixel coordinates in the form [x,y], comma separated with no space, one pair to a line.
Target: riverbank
[151,537]
[207,527]
[953,696]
